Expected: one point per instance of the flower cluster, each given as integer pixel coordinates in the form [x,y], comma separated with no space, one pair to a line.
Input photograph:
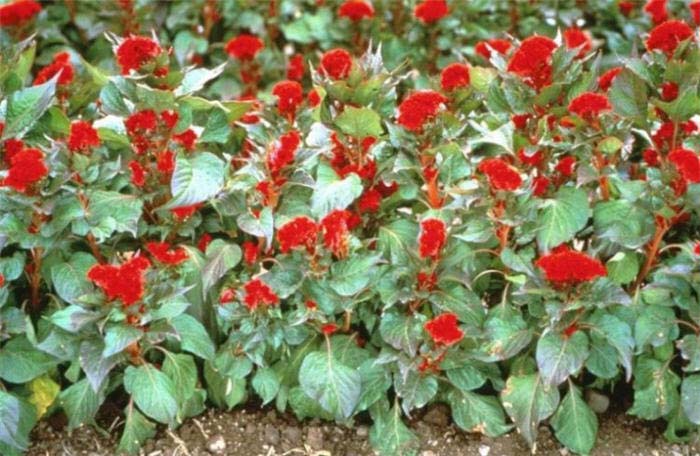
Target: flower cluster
[18,12]
[125,281]
[164,253]
[27,167]
[569,267]
[444,330]
[136,52]
[258,294]
[418,108]
[299,232]
[432,238]
[82,137]
[532,61]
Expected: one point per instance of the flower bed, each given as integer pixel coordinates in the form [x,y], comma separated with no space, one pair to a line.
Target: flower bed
[347,209]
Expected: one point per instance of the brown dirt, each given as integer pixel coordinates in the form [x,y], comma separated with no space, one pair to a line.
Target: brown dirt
[252,431]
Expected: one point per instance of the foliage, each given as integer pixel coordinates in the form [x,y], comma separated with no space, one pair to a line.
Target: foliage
[229,206]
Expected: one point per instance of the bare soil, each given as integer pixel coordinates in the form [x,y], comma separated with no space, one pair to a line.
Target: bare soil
[253,431]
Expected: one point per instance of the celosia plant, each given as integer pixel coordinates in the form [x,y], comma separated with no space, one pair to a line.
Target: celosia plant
[349,208]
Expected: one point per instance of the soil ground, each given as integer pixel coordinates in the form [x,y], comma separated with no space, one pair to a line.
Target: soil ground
[253,431]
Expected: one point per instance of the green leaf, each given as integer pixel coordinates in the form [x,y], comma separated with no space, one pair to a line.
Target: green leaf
[118,337]
[559,356]
[476,413]
[401,332]
[415,390]
[607,330]
[69,278]
[562,217]
[330,192]
[21,362]
[623,267]
[689,347]
[111,212]
[81,403]
[690,397]
[196,179]
[396,239]
[389,436]
[335,386]
[193,336]
[217,129]
[26,106]
[137,429]
[266,384]
[359,122]
[466,377]
[655,389]
[73,318]
[528,401]
[182,370]
[628,96]
[350,276]
[153,392]
[623,223]
[221,258]
[655,325]
[224,390]
[17,419]
[575,424]
[195,79]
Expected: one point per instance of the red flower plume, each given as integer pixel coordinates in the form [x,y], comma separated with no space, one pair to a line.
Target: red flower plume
[501,175]
[589,105]
[606,79]
[532,61]
[19,12]
[61,64]
[484,48]
[418,108]
[336,63]
[289,96]
[244,46]
[454,76]
[575,38]
[432,238]
[257,293]
[136,51]
[82,137]
[687,163]
[125,281]
[429,11]
[443,329]
[27,167]
[164,253]
[300,232]
[667,36]
[356,10]
[569,267]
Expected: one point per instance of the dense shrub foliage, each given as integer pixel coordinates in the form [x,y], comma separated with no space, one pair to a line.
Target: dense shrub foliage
[350,208]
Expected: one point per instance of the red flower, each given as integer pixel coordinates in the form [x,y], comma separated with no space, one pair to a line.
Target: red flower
[569,267]
[289,96]
[18,12]
[138,174]
[669,91]
[244,46]
[664,134]
[136,51]
[250,252]
[540,185]
[444,330]
[454,75]
[625,7]
[606,79]
[257,293]
[2,280]
[667,36]
[314,98]
[566,165]
[125,282]
[295,67]
[187,139]
[535,159]
[429,11]
[589,105]
[227,295]
[335,231]
[61,64]
[336,63]
[426,281]
[141,122]
[164,253]
[185,212]
[696,249]
[169,119]
[329,328]
[575,38]
[432,238]
[694,8]
[27,167]
[300,232]
[532,61]
[418,108]
[687,163]
[651,157]
[204,242]
[656,9]
[12,147]
[82,137]
[283,154]
[310,304]
[356,10]
[165,162]
[520,120]
[370,201]
[484,48]
[501,175]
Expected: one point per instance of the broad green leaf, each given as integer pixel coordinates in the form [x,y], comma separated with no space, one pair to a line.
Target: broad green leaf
[152,391]
[21,362]
[330,192]
[359,122]
[415,390]
[221,258]
[16,421]
[403,332]
[195,80]
[70,279]
[559,356]
[575,424]
[81,403]
[111,212]
[689,347]
[26,106]
[350,276]
[528,401]
[137,429]
[196,179]
[224,391]
[390,436]
[655,325]
[72,318]
[690,397]
[335,386]
[193,336]
[628,97]
[476,413]
[182,370]
[623,223]
[118,337]
[655,389]
[266,384]
[561,217]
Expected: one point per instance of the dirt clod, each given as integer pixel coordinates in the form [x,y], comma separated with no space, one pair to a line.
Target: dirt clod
[216,444]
